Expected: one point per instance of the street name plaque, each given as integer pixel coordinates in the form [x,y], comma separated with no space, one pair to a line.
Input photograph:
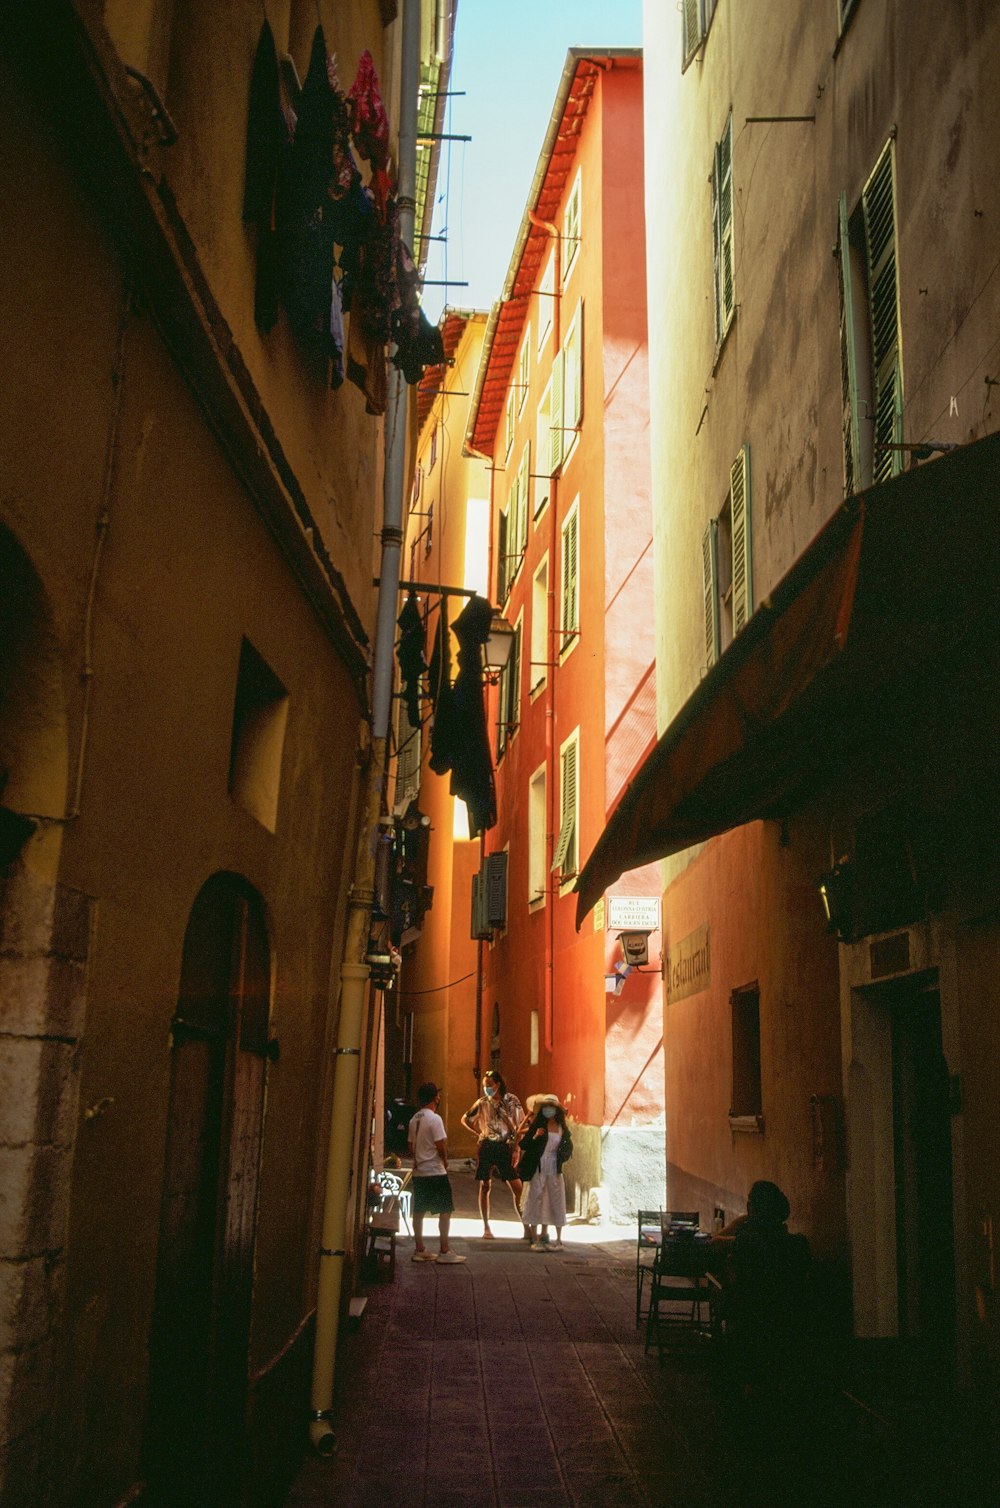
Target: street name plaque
[633,913]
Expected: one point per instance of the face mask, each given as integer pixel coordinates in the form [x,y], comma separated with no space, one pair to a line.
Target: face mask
[548,1111]
[490,1091]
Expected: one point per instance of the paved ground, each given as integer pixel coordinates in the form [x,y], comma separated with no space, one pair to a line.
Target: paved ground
[519,1379]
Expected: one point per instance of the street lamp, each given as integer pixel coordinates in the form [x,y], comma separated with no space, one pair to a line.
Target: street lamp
[498,646]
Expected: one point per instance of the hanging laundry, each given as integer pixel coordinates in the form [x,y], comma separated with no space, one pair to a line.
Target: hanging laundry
[336,337]
[416,352]
[410,654]
[370,128]
[269,132]
[373,296]
[472,775]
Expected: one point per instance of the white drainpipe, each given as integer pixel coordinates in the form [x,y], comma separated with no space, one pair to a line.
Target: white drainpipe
[354,971]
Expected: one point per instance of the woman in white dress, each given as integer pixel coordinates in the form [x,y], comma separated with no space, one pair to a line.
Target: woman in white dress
[545,1146]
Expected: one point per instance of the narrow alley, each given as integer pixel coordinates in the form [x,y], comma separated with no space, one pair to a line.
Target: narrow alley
[519,1380]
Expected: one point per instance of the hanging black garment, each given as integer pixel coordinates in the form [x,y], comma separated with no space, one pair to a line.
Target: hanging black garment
[306,235]
[472,762]
[415,352]
[268,135]
[439,682]
[410,654]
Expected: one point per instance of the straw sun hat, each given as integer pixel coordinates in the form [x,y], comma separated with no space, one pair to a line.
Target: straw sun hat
[536,1101]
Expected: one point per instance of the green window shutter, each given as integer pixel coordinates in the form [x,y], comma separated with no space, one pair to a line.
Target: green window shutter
[564,858]
[573,374]
[691,32]
[848,361]
[710,590]
[880,244]
[727,285]
[570,581]
[502,572]
[556,415]
[513,684]
[739,502]
[524,488]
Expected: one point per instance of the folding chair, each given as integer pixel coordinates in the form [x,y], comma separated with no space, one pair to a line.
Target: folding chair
[392,1185]
[646,1247]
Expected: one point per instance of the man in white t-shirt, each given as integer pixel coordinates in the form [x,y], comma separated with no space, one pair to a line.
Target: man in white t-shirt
[432,1195]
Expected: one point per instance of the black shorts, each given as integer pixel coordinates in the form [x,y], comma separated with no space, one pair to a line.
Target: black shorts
[495,1156]
[432,1195]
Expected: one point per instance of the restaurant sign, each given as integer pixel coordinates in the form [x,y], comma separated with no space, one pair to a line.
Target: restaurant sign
[634,913]
[689,966]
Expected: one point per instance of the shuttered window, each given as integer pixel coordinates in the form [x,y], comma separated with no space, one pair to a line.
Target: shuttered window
[522,488]
[556,416]
[572,363]
[710,591]
[408,748]
[540,651]
[546,290]
[543,451]
[503,574]
[739,504]
[696,18]
[569,622]
[523,369]
[878,205]
[850,419]
[508,434]
[537,818]
[509,698]
[571,231]
[567,846]
[722,231]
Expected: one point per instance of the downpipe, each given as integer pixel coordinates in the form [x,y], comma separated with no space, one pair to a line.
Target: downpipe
[354,972]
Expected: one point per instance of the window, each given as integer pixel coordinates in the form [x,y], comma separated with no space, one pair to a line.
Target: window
[537,821]
[509,698]
[418,477]
[571,231]
[524,369]
[746,1096]
[727,564]
[722,232]
[567,845]
[408,752]
[572,365]
[543,443]
[534,1038]
[539,627]
[871,373]
[569,618]
[503,571]
[434,448]
[260,716]
[546,294]
[522,487]
[429,531]
[508,432]
[696,18]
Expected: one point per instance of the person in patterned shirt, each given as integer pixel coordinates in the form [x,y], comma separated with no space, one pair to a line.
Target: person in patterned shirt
[493,1120]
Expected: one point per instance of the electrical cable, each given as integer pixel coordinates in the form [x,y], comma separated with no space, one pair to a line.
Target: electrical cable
[406,994]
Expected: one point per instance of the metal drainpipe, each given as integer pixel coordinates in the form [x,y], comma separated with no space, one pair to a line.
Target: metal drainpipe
[550,700]
[354,970]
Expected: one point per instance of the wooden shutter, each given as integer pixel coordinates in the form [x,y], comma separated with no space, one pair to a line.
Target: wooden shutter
[512,685]
[739,504]
[564,857]
[880,241]
[691,33]
[556,415]
[848,361]
[726,273]
[495,875]
[502,572]
[523,488]
[570,580]
[710,590]
[573,374]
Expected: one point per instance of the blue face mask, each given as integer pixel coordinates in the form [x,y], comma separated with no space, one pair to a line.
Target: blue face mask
[548,1111]
[490,1091]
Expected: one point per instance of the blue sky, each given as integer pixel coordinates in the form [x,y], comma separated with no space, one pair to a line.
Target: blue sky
[509,56]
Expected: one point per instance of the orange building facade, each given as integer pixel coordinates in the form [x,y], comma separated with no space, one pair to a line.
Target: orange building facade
[561,412]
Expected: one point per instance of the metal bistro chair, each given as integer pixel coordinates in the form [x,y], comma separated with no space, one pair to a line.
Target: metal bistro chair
[393,1187]
[687,1291]
[646,1246]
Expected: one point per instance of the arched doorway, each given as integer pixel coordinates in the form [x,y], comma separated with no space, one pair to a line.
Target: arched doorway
[199,1343]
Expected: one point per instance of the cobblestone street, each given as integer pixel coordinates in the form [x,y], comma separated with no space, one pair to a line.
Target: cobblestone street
[518,1379]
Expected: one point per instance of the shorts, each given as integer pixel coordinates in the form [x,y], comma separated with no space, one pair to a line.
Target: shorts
[432,1195]
[495,1156]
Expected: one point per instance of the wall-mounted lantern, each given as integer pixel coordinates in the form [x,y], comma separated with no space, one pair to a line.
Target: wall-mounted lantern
[498,647]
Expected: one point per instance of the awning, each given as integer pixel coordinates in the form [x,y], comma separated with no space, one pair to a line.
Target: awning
[895,595]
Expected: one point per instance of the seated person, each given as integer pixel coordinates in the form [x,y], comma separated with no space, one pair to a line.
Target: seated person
[766,1287]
